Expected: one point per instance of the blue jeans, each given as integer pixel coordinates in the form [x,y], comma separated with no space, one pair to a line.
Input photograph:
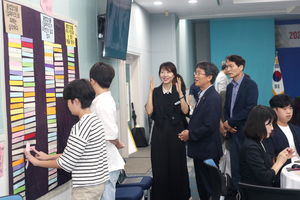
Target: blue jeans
[109,192]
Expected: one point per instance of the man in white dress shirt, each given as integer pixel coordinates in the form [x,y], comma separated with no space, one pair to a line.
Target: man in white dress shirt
[222,81]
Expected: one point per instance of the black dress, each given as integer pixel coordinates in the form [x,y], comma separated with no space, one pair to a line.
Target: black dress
[168,152]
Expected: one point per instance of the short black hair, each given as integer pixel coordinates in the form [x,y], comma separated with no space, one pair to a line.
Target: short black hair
[255,127]
[280,101]
[238,60]
[103,74]
[82,90]
[209,68]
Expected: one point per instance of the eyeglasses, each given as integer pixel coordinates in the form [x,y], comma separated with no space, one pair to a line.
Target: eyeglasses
[198,74]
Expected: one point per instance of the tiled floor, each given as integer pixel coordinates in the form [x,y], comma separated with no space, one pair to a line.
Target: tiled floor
[193,186]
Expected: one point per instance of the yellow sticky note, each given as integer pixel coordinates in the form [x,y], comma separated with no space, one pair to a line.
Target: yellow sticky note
[50,99]
[51,111]
[48,43]
[49,54]
[50,94]
[16,45]
[16,100]
[71,68]
[17,117]
[18,162]
[16,83]
[70,34]
[57,50]
[59,77]
[18,128]
[17,105]
[29,94]
[16,111]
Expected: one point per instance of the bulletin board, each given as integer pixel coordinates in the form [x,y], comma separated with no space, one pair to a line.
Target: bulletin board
[41,58]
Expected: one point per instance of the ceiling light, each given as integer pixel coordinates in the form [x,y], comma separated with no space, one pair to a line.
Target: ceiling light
[157,3]
[193,1]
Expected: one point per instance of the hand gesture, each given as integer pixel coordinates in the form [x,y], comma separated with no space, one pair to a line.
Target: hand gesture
[285,154]
[152,85]
[40,155]
[184,135]
[30,158]
[178,85]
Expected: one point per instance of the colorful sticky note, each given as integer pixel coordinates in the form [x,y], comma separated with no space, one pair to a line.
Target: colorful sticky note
[70,34]
[47,6]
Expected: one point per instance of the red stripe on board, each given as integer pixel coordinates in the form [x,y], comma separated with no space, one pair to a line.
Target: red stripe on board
[31,135]
[27,44]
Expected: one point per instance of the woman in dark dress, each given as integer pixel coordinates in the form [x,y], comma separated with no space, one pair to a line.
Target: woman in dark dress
[167,106]
[257,167]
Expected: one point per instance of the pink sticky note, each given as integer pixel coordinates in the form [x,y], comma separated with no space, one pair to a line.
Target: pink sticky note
[47,6]
[27,149]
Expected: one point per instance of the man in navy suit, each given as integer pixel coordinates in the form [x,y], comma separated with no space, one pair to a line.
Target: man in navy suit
[241,97]
[202,136]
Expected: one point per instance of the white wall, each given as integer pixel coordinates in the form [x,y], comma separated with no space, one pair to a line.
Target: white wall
[164,41]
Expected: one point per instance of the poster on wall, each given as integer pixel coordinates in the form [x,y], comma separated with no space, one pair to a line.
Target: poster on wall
[38,65]
[287,36]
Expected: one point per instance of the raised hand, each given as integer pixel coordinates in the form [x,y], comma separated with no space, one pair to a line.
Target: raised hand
[178,86]
[152,85]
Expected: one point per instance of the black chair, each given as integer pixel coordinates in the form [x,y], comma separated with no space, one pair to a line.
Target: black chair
[255,192]
[216,179]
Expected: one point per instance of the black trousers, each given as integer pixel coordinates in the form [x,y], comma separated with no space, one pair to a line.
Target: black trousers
[235,151]
[169,165]
[203,178]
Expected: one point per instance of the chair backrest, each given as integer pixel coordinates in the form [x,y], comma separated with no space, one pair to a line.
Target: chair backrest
[250,192]
[215,177]
[11,197]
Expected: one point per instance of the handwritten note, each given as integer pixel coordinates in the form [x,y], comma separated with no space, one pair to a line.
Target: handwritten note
[12,18]
[70,34]
[47,6]
[47,28]
[1,158]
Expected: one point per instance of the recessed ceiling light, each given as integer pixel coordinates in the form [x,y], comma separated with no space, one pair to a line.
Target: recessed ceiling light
[157,3]
[193,1]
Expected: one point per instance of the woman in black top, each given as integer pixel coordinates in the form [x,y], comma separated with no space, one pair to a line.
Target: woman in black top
[257,167]
[167,106]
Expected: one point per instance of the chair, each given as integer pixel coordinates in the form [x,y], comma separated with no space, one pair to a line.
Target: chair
[129,193]
[250,192]
[146,184]
[12,197]
[216,179]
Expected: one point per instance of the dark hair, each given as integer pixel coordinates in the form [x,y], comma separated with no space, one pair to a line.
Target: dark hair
[82,90]
[183,86]
[296,111]
[209,68]
[169,66]
[280,101]
[255,127]
[223,65]
[238,60]
[103,74]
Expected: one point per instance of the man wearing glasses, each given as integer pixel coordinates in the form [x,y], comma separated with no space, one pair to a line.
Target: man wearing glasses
[203,135]
[241,97]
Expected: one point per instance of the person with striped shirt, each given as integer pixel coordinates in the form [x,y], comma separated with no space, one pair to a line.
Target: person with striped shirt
[85,154]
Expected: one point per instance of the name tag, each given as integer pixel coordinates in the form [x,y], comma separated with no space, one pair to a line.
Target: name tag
[176,103]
